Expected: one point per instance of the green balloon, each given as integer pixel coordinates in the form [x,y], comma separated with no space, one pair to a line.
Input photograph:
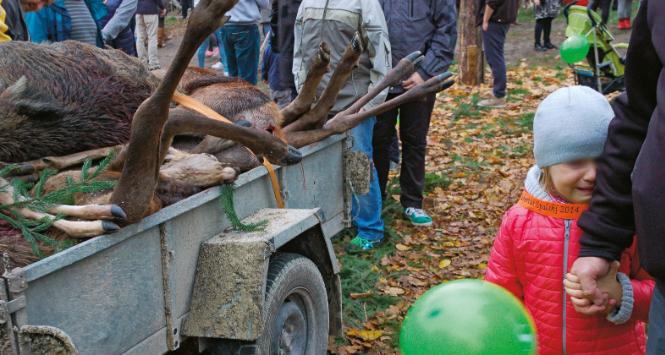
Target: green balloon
[467,317]
[574,49]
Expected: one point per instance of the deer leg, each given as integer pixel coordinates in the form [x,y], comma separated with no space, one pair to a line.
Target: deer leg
[62,162]
[318,113]
[71,228]
[434,84]
[140,173]
[318,67]
[90,211]
[75,229]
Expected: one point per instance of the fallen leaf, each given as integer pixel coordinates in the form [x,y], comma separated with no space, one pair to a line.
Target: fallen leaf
[401,247]
[360,295]
[364,334]
[444,263]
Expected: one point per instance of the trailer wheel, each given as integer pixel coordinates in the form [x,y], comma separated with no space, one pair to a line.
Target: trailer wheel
[296,318]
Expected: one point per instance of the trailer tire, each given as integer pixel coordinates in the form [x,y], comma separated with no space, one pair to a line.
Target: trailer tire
[296,308]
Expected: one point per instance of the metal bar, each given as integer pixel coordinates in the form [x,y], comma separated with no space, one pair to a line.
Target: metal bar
[169,303]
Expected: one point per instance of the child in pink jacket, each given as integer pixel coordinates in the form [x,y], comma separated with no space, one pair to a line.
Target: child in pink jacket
[538,239]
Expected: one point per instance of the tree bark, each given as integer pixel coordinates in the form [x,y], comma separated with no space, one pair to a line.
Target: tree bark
[470,45]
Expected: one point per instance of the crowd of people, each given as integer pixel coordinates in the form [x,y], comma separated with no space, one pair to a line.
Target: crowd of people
[594,184]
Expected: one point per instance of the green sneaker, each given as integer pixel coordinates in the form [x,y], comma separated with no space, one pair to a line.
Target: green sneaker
[418,217]
[359,245]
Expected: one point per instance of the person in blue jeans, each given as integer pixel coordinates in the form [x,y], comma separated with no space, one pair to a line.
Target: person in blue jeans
[241,39]
[336,22]
[201,53]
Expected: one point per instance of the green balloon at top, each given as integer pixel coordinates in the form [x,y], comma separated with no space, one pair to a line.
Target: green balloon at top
[467,317]
[574,49]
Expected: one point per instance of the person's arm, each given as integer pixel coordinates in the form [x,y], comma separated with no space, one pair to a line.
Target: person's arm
[501,269]
[376,30]
[441,51]
[489,11]
[609,222]
[643,286]
[120,20]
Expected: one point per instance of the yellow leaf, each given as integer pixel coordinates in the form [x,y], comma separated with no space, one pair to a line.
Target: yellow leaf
[364,334]
[444,263]
[402,247]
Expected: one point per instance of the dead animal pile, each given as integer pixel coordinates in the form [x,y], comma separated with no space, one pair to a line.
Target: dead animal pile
[86,104]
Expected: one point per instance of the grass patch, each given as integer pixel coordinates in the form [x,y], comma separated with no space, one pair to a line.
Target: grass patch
[360,274]
[467,109]
[434,180]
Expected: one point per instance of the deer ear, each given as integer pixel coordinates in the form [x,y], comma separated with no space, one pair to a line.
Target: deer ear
[29,101]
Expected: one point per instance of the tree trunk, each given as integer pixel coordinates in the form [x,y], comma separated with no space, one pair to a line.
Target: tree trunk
[470,48]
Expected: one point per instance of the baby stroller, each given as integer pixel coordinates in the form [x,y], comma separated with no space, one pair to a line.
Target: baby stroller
[604,70]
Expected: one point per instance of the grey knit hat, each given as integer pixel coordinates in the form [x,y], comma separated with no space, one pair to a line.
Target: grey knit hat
[570,124]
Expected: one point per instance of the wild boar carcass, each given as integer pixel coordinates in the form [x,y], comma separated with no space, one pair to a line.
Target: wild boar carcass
[66,97]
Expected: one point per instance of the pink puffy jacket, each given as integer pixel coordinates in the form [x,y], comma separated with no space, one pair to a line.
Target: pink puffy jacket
[531,254]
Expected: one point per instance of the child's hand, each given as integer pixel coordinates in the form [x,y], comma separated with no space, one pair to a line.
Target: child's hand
[609,285]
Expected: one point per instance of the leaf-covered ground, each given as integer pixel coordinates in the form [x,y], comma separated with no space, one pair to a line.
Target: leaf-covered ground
[476,163]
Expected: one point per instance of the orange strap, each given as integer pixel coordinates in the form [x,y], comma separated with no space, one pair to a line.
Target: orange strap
[551,209]
[197,106]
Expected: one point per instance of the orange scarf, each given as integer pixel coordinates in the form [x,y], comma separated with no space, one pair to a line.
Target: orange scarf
[551,209]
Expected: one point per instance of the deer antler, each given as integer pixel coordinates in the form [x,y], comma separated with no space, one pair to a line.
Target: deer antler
[317,115]
[435,84]
[318,67]
[341,123]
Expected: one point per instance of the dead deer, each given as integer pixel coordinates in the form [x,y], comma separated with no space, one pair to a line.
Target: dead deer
[155,125]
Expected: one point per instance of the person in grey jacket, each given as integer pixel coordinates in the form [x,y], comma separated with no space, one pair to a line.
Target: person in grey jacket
[241,40]
[336,22]
[429,26]
[118,31]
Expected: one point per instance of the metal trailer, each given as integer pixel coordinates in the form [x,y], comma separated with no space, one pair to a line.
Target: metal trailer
[179,281]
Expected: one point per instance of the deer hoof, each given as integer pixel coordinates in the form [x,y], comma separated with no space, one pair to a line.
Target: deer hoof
[118,213]
[109,227]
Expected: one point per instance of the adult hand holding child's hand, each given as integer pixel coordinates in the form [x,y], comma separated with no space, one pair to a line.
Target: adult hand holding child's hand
[590,303]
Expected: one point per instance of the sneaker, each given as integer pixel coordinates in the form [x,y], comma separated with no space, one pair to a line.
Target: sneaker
[209,53]
[418,217]
[394,166]
[154,67]
[359,245]
[550,46]
[218,66]
[493,102]
[538,48]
